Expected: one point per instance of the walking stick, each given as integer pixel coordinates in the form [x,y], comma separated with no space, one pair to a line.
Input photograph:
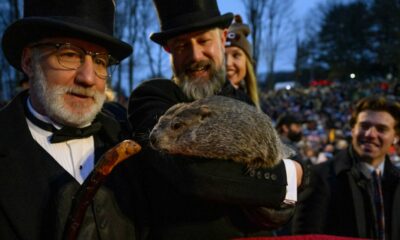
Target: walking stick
[85,194]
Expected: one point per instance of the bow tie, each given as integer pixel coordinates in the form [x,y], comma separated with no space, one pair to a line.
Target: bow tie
[65,133]
[68,133]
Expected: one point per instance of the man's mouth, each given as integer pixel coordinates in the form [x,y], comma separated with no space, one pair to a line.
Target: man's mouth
[198,68]
[81,93]
[369,144]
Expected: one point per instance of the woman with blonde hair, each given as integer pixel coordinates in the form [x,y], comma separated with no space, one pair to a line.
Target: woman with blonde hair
[239,60]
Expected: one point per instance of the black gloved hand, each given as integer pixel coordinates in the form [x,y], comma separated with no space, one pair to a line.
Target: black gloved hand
[270,218]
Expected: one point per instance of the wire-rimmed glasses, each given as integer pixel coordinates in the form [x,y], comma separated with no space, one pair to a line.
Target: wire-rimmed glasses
[72,57]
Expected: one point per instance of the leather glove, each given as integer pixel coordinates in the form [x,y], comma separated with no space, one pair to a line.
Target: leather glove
[270,218]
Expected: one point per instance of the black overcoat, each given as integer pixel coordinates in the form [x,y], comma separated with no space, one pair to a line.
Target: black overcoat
[339,202]
[36,192]
[190,198]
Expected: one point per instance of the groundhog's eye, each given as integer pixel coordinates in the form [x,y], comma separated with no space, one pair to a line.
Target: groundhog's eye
[176,125]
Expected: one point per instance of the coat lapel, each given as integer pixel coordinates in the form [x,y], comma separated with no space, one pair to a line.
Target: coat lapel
[345,164]
[395,214]
[391,185]
[28,174]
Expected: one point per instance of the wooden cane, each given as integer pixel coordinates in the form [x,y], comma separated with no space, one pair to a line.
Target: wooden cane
[88,189]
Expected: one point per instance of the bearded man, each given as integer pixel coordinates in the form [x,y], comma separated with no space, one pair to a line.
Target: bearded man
[54,132]
[289,128]
[191,198]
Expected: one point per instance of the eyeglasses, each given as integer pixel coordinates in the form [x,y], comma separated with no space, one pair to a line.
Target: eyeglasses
[72,57]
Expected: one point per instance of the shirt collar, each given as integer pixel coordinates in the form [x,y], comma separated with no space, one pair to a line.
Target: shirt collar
[43,117]
[40,116]
[369,168]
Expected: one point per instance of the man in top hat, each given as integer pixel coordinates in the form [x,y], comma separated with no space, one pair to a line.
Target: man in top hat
[66,49]
[191,198]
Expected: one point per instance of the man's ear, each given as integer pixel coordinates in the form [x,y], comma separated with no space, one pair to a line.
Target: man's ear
[224,33]
[26,62]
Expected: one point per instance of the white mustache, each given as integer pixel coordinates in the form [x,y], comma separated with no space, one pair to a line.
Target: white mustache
[87,92]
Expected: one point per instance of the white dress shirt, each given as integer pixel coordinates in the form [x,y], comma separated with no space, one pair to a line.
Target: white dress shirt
[291,176]
[75,156]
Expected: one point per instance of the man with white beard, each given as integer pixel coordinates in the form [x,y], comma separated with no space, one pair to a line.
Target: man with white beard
[54,133]
[189,198]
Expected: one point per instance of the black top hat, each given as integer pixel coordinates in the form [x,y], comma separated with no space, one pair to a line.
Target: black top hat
[181,16]
[90,20]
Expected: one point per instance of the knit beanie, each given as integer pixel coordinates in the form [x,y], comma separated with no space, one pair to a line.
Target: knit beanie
[237,33]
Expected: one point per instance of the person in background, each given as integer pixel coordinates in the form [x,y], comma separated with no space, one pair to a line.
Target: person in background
[116,110]
[357,193]
[314,133]
[186,197]
[325,154]
[53,133]
[239,60]
[289,128]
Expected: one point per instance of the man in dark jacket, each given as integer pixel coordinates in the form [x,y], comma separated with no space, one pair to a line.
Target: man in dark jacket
[343,198]
[289,127]
[192,198]
[54,133]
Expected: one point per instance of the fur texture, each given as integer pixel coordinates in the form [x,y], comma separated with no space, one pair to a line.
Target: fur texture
[222,128]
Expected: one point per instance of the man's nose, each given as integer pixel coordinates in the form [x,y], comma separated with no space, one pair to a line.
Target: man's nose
[197,52]
[372,132]
[85,73]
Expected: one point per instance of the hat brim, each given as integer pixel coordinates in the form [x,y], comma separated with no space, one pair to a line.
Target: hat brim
[28,30]
[223,21]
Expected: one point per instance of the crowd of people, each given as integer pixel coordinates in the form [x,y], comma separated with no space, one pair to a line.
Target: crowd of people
[56,130]
[324,112]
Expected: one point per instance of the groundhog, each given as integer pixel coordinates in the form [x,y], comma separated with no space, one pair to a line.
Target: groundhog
[221,128]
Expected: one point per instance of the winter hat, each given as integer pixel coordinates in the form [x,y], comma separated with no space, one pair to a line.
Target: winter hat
[237,36]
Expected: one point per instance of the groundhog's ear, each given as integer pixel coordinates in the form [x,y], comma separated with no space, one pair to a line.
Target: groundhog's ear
[205,111]
[174,108]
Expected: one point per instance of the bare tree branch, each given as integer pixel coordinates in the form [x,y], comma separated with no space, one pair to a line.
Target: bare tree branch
[254,13]
[278,34]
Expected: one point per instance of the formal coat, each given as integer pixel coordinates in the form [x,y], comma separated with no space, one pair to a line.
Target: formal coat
[194,198]
[339,200]
[36,192]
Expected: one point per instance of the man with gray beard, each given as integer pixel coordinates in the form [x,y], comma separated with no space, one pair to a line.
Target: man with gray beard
[188,198]
[197,88]
[54,133]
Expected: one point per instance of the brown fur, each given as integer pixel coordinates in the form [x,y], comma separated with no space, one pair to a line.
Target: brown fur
[222,128]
